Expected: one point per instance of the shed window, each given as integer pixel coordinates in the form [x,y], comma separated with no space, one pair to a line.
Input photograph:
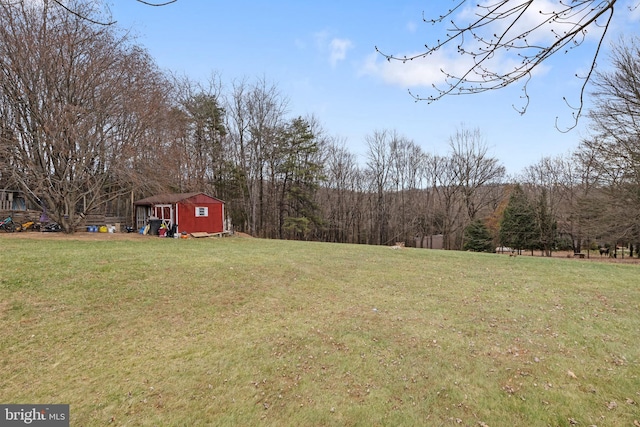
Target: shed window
[202,211]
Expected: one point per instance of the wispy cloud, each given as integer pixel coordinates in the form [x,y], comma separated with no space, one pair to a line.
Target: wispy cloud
[420,72]
[339,48]
[549,18]
[429,70]
[335,47]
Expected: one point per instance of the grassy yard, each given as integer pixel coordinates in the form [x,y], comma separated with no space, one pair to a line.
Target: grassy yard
[244,332]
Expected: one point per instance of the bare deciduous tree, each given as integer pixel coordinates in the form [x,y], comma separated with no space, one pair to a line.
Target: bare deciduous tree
[448,207]
[477,173]
[615,142]
[379,163]
[341,194]
[78,104]
[466,183]
[616,111]
[256,113]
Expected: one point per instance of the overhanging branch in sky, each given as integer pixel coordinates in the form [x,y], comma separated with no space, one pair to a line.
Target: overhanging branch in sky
[504,42]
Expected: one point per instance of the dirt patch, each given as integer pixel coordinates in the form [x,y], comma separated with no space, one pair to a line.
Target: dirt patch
[74,236]
[240,234]
[85,236]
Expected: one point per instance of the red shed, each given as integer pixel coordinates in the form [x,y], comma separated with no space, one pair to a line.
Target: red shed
[192,212]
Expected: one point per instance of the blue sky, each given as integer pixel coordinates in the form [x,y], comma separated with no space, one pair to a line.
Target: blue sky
[321,55]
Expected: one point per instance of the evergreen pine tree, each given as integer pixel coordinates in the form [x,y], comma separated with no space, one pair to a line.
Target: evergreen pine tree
[477,237]
[518,225]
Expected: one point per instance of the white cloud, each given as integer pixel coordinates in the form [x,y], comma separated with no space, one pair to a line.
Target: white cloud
[419,72]
[339,48]
[335,48]
[543,16]
[426,71]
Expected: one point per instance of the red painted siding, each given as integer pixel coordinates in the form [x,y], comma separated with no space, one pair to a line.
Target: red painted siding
[190,223]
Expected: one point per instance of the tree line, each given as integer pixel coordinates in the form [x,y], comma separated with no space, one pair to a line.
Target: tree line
[88,121]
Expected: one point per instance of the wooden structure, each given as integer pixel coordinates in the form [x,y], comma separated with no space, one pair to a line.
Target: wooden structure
[12,201]
[191,212]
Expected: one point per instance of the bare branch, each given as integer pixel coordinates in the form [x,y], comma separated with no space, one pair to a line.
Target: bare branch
[85,17]
[107,23]
[156,4]
[511,27]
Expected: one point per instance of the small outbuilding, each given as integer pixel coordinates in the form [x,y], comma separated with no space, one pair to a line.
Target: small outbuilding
[189,212]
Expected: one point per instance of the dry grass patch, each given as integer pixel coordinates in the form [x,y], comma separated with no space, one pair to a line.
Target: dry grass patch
[248,331]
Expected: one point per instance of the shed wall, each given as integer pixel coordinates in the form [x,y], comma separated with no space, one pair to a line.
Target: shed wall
[190,223]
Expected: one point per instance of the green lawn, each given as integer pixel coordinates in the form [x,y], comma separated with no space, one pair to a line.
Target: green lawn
[243,332]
